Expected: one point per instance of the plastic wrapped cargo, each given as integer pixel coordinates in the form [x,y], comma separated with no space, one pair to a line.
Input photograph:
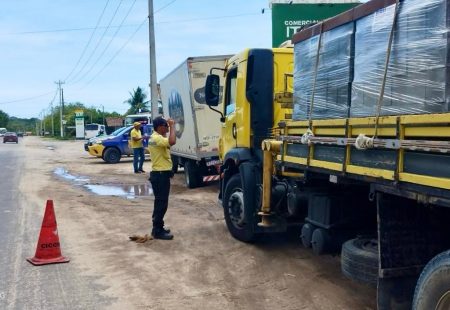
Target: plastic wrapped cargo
[416,80]
[334,74]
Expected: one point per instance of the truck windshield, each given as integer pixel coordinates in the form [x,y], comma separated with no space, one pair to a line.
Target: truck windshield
[91,127]
[142,118]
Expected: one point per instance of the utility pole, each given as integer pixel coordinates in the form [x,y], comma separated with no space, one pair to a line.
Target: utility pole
[42,124]
[61,100]
[43,121]
[53,121]
[153,80]
[103,114]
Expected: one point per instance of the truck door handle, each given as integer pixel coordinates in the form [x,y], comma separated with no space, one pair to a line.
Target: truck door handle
[234,130]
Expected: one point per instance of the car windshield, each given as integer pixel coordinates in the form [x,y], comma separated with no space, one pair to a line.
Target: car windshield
[10,134]
[119,131]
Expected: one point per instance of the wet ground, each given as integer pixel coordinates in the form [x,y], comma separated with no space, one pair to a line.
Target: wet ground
[128,191]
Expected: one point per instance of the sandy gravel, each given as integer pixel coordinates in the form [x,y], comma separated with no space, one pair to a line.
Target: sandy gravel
[202,268]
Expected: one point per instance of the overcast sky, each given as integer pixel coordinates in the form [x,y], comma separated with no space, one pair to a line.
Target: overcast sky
[43,41]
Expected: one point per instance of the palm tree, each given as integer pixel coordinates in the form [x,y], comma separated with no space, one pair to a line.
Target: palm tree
[137,101]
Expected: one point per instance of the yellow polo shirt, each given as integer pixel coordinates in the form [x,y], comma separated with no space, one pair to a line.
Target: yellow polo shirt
[135,133]
[159,149]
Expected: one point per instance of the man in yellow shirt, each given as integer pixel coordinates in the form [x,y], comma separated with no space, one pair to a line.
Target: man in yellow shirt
[159,148]
[138,148]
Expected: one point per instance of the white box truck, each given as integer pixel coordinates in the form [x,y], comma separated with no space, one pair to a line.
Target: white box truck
[197,129]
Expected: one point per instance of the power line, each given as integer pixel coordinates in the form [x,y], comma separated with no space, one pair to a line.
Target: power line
[107,45]
[117,53]
[26,99]
[64,30]
[89,41]
[207,18]
[99,41]
[129,25]
[162,8]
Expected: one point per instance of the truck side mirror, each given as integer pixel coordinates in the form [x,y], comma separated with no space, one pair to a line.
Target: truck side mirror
[212,90]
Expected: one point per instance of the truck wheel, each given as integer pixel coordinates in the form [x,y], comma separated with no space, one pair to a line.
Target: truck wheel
[433,288]
[111,155]
[320,241]
[239,225]
[306,235]
[175,163]
[191,174]
[359,260]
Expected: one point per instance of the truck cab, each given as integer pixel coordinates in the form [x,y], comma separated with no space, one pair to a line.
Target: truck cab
[257,95]
[94,130]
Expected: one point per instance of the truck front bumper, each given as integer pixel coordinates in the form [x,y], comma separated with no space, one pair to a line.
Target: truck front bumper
[96,150]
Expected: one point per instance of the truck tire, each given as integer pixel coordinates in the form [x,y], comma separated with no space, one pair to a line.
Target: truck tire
[239,225]
[433,288]
[306,235]
[175,163]
[191,174]
[320,241]
[111,155]
[359,260]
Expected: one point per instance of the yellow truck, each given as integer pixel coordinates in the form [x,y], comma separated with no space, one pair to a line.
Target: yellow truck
[348,137]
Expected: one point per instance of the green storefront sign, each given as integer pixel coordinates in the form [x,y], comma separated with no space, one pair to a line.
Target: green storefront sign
[288,18]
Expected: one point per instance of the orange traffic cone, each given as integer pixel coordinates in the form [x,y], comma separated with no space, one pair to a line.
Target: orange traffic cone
[48,251]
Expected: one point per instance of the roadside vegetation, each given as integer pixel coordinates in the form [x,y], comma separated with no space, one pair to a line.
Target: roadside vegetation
[48,125]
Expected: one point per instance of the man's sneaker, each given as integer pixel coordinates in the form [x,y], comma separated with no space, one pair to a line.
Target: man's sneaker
[142,171]
[163,236]
[167,231]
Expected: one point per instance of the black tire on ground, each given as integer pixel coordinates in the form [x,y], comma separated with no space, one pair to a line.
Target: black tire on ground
[306,235]
[359,260]
[175,163]
[111,155]
[320,241]
[239,220]
[192,174]
[433,288]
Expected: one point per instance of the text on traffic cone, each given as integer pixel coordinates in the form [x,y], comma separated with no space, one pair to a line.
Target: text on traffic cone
[48,248]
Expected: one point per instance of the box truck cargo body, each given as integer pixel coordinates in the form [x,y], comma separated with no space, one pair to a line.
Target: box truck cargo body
[197,129]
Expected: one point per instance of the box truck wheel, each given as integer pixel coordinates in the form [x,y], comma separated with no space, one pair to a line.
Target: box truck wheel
[320,241]
[111,155]
[359,260]
[433,288]
[192,174]
[306,235]
[239,224]
[175,163]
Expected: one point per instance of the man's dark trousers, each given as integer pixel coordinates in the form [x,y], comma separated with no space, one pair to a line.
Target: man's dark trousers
[161,187]
[138,159]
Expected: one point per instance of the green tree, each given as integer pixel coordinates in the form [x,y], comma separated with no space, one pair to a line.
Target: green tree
[137,101]
[4,118]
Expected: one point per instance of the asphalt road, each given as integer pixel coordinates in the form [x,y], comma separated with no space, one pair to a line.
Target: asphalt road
[22,285]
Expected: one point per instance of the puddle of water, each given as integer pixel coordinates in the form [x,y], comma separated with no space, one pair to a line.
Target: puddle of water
[66,175]
[122,190]
[128,191]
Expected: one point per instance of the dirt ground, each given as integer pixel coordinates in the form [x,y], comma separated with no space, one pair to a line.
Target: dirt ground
[202,268]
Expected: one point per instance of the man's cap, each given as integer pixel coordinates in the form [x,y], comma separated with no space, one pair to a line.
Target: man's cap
[159,121]
[136,124]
